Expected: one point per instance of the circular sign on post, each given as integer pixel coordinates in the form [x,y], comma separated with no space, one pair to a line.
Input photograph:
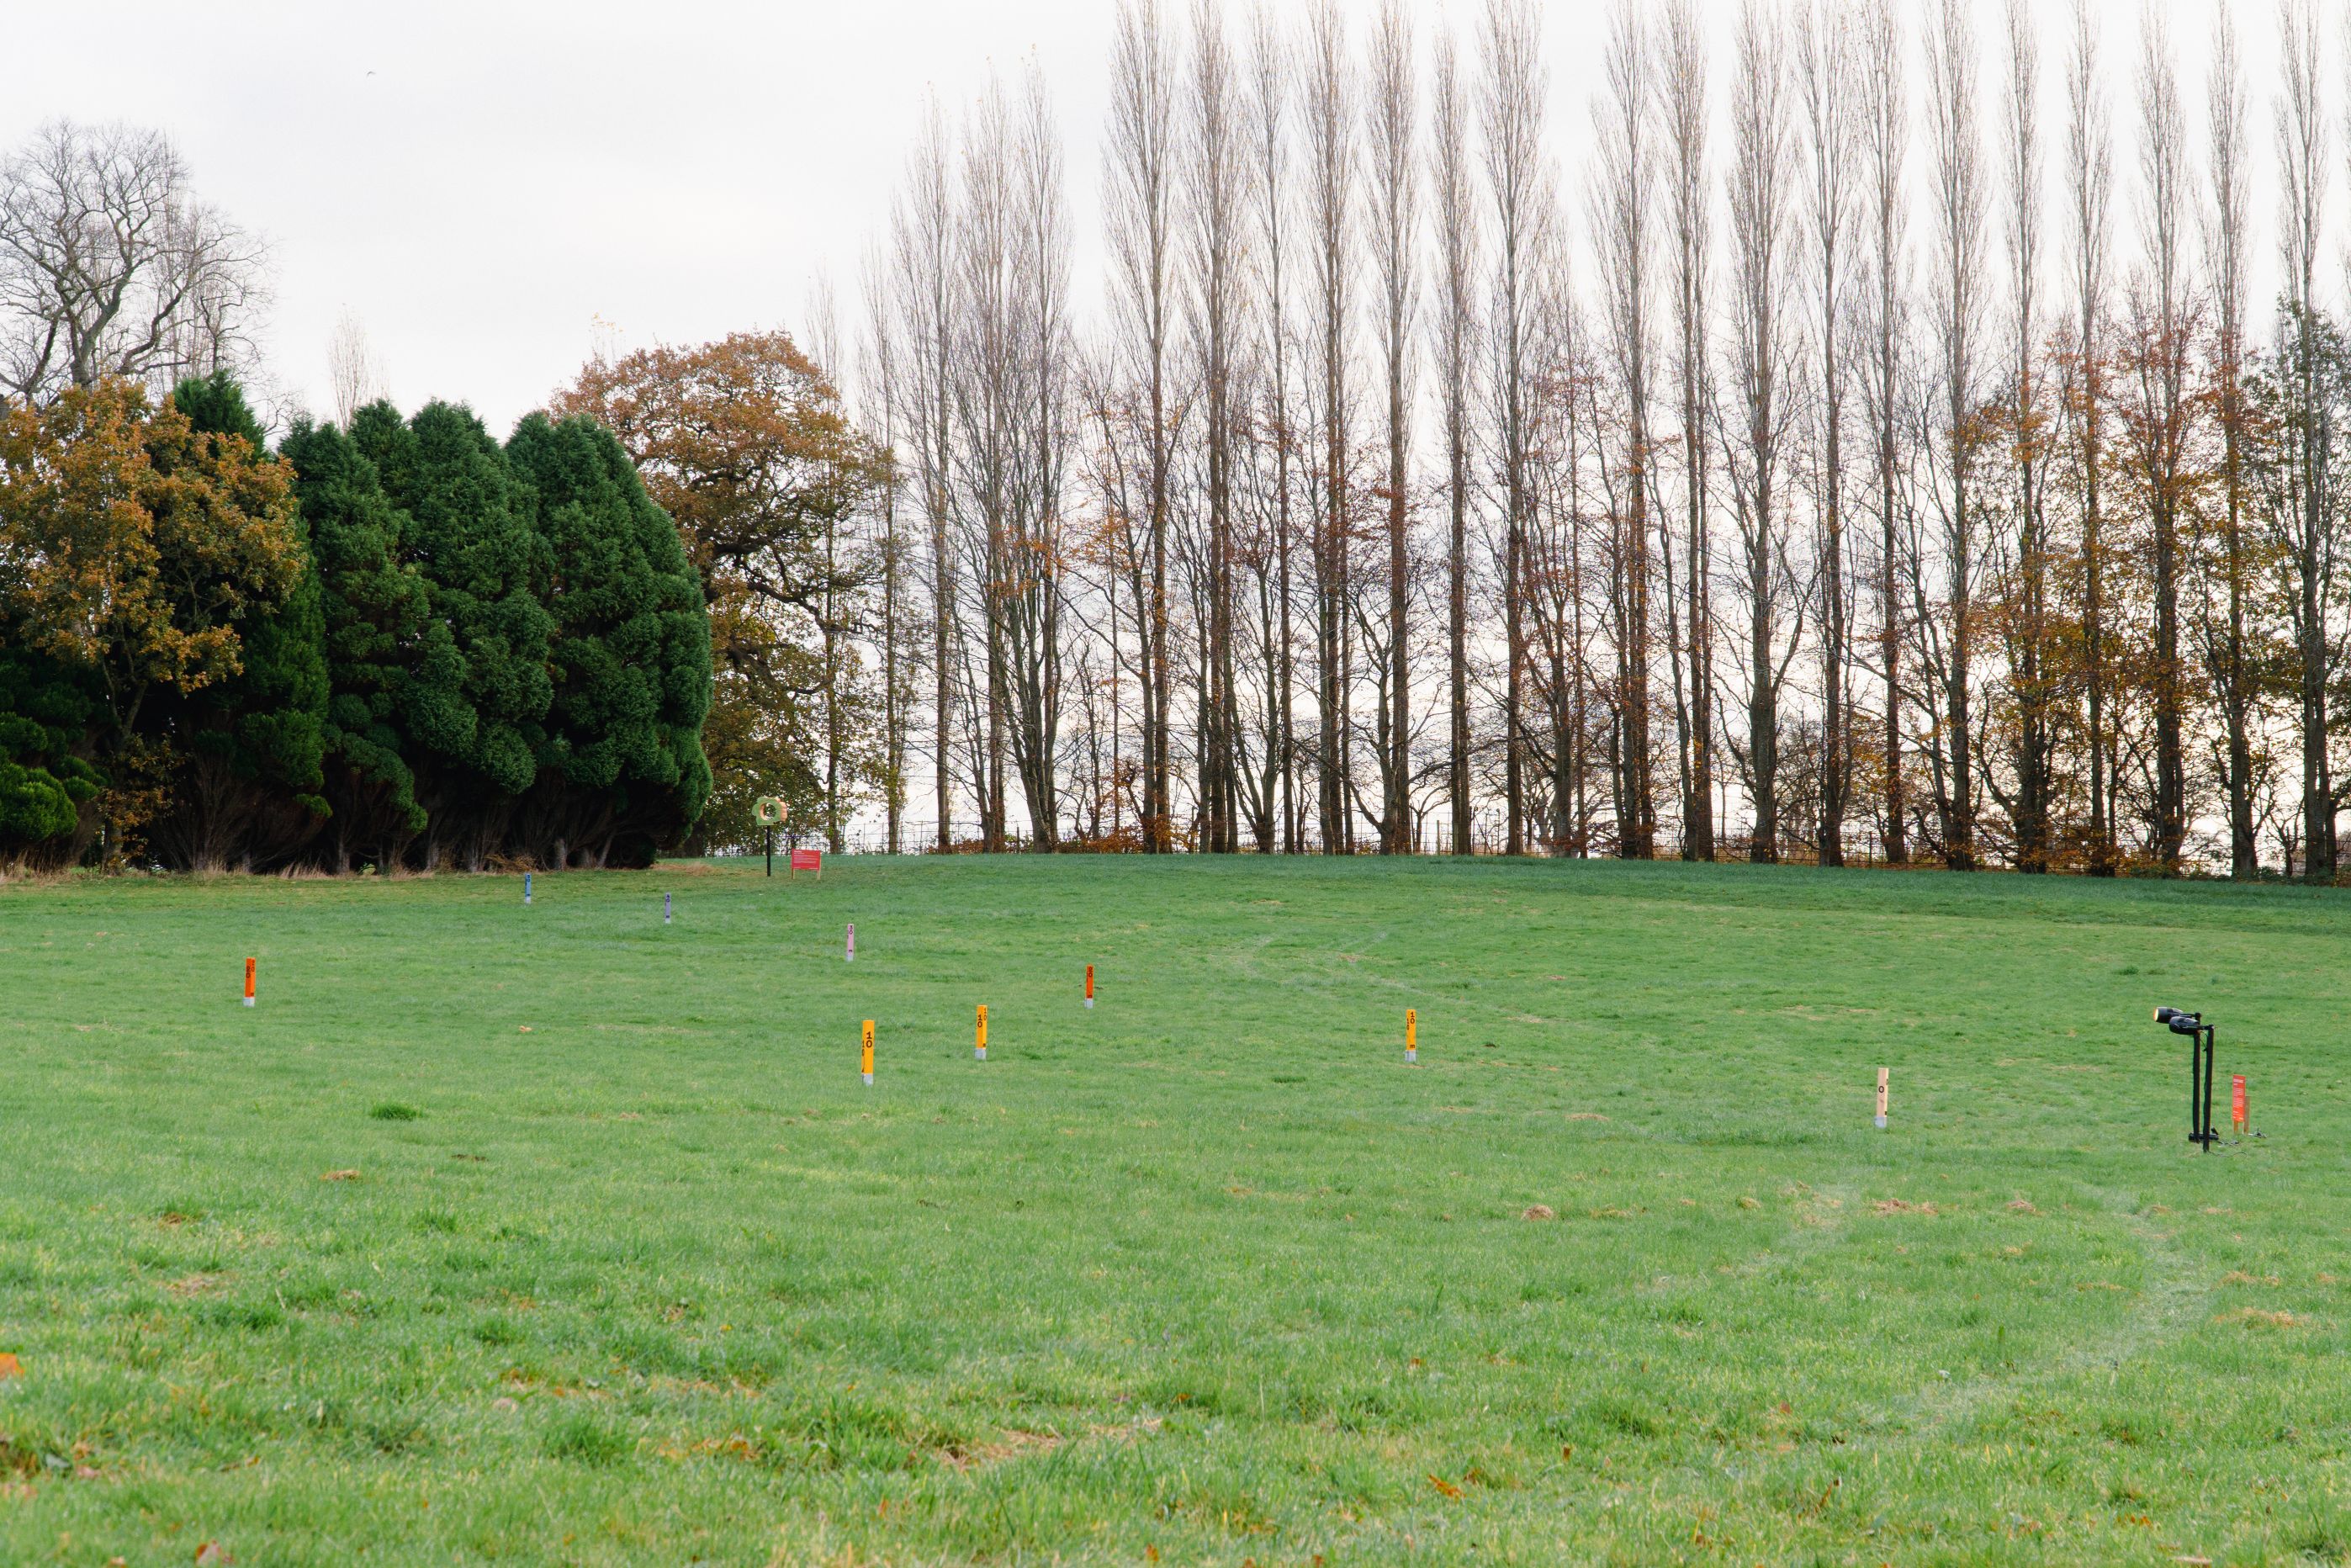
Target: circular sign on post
[770,811]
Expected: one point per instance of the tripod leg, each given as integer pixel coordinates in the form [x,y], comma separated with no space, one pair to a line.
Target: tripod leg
[2212,1042]
[2195,1085]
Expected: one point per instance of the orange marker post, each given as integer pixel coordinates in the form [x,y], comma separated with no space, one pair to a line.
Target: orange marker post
[980,1048]
[865,1057]
[2237,1101]
[1090,987]
[1412,1034]
[250,965]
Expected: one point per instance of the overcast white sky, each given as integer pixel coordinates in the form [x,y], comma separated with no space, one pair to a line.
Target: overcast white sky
[482,182]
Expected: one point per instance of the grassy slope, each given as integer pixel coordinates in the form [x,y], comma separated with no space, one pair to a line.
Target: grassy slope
[1208,1271]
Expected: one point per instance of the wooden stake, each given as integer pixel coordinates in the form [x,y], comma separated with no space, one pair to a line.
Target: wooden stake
[1883,1074]
[865,1056]
[850,957]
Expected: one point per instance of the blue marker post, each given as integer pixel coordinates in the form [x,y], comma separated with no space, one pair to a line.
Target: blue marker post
[664,909]
[525,890]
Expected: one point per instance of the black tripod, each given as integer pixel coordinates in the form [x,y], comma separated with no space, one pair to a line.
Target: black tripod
[2200,1071]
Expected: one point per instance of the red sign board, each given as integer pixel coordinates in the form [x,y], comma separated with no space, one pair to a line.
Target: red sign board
[807,860]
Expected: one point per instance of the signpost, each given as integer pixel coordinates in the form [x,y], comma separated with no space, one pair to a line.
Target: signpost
[769,811]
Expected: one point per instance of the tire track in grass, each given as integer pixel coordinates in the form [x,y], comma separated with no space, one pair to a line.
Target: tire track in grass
[2169,1293]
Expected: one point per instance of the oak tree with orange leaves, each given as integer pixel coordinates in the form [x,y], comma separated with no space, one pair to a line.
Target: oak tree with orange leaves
[132,548]
[746,445]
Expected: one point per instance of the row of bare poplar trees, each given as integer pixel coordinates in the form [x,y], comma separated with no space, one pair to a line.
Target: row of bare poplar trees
[1813,474]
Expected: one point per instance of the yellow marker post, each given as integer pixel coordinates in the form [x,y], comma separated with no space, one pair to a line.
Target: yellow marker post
[1412,1034]
[980,1049]
[250,965]
[1883,1074]
[866,1056]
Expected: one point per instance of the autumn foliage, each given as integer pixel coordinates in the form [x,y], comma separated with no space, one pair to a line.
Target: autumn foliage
[400,644]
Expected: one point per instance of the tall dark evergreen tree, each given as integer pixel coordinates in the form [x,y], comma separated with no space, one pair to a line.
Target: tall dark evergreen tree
[397,679]
[468,534]
[621,768]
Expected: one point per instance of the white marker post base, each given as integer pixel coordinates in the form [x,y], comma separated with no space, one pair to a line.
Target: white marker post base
[1090,1003]
[1881,1124]
[246,1000]
[1412,1054]
[869,1079]
[980,1052]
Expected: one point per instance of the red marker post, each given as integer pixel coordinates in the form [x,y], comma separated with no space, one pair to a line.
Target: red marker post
[2237,1101]
[1090,987]
[251,963]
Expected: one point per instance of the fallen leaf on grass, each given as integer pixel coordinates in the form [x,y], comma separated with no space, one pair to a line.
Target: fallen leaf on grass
[1745,1202]
[1538,1211]
[1443,1486]
[1901,1206]
[212,1554]
[341,1176]
[2021,1205]
[9,1366]
[522,1029]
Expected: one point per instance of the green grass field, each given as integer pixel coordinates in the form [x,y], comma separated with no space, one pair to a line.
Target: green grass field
[624,1265]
